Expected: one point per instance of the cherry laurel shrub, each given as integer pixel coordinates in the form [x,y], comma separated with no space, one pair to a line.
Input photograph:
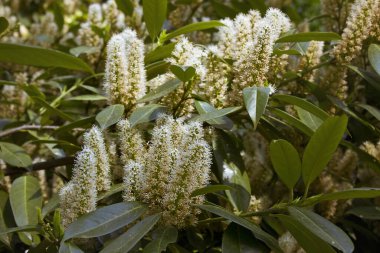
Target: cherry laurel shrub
[189,126]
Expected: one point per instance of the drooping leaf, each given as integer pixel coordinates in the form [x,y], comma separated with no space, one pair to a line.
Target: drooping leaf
[323,228]
[365,212]
[161,91]
[237,239]
[109,115]
[211,189]
[146,113]
[255,100]
[309,36]
[193,27]
[322,146]
[374,57]
[183,73]
[154,16]
[104,220]
[126,241]
[257,231]
[40,57]
[222,122]
[286,162]
[307,240]
[162,237]
[14,155]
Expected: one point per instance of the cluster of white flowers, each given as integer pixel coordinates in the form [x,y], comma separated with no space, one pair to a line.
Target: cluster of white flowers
[78,197]
[125,76]
[164,174]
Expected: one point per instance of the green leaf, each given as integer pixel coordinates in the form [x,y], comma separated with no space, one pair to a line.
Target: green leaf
[221,122]
[309,36]
[293,121]
[302,103]
[126,6]
[21,229]
[286,162]
[51,205]
[365,212]
[323,229]
[14,155]
[68,247]
[255,100]
[257,231]
[109,115]
[321,147]
[286,52]
[307,240]
[146,113]
[372,78]
[78,123]
[154,16]
[114,189]
[211,189]
[4,200]
[193,27]
[372,110]
[104,220]
[216,114]
[76,51]
[88,97]
[374,57]
[237,239]
[183,73]
[3,25]
[156,68]
[40,57]
[52,109]
[161,91]
[356,193]
[159,53]
[162,237]
[128,240]
[312,121]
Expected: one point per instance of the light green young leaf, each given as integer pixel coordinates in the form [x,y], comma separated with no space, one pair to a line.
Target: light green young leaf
[307,240]
[128,240]
[14,155]
[154,16]
[104,220]
[40,57]
[255,100]
[257,231]
[286,162]
[162,237]
[309,36]
[374,57]
[109,115]
[146,113]
[321,147]
[323,228]
[160,91]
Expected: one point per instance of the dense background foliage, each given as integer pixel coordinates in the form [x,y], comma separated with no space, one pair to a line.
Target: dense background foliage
[189,126]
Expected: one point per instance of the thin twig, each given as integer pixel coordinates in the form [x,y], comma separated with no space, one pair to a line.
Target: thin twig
[26,127]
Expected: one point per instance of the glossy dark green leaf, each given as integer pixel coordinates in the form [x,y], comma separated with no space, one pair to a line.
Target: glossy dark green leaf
[322,146]
[221,122]
[323,228]
[310,120]
[40,57]
[306,239]
[110,115]
[309,36]
[162,237]
[292,121]
[126,6]
[237,239]
[211,189]
[78,123]
[286,162]
[216,114]
[128,240]
[52,109]
[161,91]
[154,16]
[193,27]
[374,57]
[104,220]
[366,212]
[255,100]
[156,68]
[3,24]
[183,73]
[146,113]
[14,155]
[257,231]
